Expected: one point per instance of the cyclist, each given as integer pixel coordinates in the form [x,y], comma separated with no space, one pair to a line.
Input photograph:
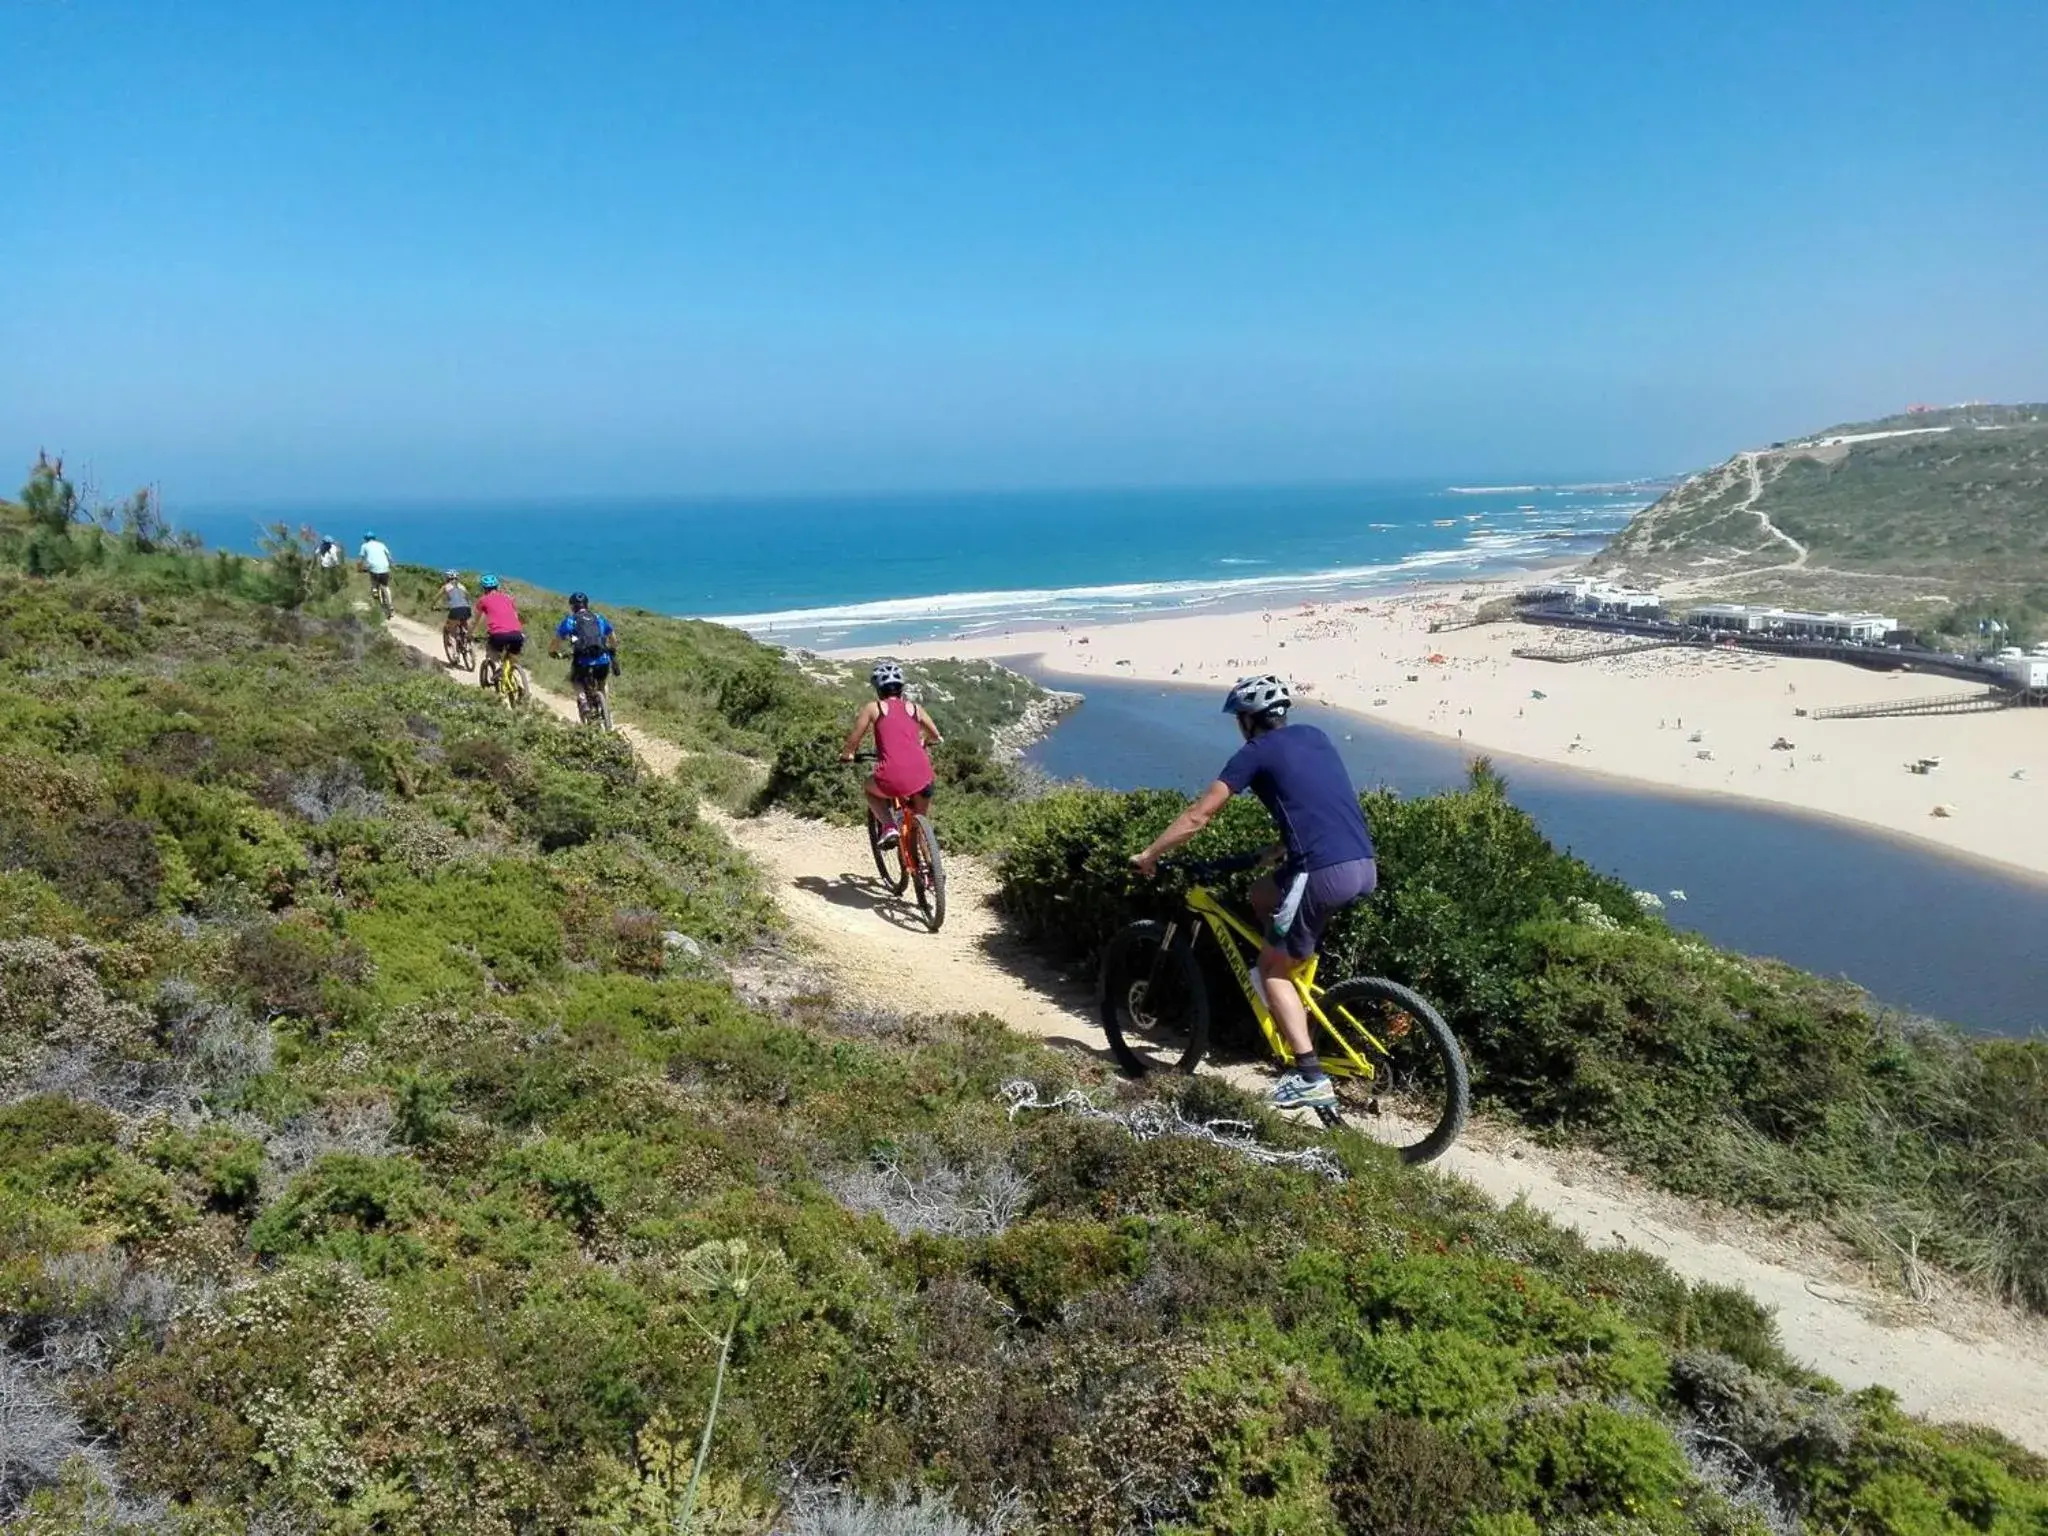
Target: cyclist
[591,641]
[455,599]
[1325,857]
[503,636]
[903,769]
[375,557]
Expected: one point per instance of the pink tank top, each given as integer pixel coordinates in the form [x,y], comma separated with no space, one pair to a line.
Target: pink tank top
[903,767]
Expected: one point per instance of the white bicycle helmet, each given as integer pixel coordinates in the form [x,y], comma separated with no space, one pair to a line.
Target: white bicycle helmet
[1263,695]
[887,674]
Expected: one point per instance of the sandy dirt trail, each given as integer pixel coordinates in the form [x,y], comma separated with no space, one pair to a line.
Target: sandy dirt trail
[1956,1359]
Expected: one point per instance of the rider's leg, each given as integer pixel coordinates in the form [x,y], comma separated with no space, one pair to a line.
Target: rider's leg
[878,805]
[1290,1015]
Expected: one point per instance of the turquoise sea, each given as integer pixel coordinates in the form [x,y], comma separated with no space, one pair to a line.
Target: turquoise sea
[859,569]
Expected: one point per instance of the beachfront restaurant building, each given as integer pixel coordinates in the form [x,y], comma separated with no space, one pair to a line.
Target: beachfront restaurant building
[1793,623]
[1601,599]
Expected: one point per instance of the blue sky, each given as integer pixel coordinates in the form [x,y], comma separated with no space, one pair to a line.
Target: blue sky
[309,250]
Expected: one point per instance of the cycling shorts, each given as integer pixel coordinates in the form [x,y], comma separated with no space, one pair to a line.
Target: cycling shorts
[590,671]
[458,615]
[1310,898]
[922,794]
[508,645]
[380,578]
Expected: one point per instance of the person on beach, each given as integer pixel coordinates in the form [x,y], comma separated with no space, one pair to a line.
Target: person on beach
[1325,857]
[903,768]
[504,635]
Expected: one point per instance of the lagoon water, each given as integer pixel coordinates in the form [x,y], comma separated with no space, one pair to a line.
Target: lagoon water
[1921,931]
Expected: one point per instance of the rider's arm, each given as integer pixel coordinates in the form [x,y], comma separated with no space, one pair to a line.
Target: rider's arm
[555,642]
[861,722]
[1185,826]
[926,724]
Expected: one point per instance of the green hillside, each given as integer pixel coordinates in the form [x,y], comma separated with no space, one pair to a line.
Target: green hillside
[1945,517]
[413,1121]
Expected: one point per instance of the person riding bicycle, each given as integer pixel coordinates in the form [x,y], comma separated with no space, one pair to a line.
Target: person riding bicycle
[1325,857]
[903,769]
[375,557]
[591,641]
[503,635]
[455,602]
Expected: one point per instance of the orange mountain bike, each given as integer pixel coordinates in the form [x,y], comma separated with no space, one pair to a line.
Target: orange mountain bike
[913,860]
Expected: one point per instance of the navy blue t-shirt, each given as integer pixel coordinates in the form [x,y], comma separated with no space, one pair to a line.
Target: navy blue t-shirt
[1298,776]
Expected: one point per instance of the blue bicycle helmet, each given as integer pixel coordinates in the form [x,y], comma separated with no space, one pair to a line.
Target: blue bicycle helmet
[488,582]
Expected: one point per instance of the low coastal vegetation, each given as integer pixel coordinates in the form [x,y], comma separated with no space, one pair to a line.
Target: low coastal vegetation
[1590,1018]
[410,1122]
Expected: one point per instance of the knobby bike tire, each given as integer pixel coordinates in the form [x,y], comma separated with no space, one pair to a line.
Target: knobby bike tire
[895,880]
[487,674]
[604,710]
[451,649]
[521,690]
[1427,1061]
[1155,1008]
[930,874]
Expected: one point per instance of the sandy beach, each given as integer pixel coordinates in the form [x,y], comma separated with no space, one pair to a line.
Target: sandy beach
[1687,720]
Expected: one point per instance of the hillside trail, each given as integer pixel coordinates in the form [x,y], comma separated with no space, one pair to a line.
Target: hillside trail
[1955,1357]
[1752,463]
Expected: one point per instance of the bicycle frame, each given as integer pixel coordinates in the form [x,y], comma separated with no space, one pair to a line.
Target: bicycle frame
[906,840]
[1235,937]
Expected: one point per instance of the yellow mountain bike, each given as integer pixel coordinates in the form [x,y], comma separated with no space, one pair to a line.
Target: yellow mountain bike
[1373,1034]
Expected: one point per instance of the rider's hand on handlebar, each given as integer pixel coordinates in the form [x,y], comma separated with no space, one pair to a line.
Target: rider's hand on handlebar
[1146,863]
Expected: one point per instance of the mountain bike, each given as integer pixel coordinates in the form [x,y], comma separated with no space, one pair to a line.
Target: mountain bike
[1373,1034]
[593,700]
[913,860]
[506,677]
[380,592]
[458,646]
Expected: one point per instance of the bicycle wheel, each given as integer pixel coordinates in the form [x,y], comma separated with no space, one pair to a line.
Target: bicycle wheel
[894,878]
[517,688]
[1418,1076]
[451,647]
[1155,1009]
[487,674]
[604,709]
[929,874]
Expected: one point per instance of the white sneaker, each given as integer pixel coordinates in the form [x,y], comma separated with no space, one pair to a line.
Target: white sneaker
[1294,1091]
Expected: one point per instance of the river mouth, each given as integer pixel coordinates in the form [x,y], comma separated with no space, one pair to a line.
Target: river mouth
[1920,930]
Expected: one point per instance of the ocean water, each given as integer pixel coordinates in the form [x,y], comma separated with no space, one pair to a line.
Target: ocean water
[857,570]
[1917,929]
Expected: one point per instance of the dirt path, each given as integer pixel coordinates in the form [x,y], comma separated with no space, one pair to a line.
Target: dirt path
[1751,462]
[1982,1363]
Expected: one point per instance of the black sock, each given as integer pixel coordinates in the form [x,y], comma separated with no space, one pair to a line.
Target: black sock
[1309,1065]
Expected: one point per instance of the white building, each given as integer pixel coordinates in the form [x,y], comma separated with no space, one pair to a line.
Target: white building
[1793,623]
[1591,596]
[2026,671]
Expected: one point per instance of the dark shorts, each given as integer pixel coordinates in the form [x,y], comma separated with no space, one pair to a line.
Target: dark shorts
[1309,900]
[458,615]
[590,671]
[922,794]
[380,578]
[506,645]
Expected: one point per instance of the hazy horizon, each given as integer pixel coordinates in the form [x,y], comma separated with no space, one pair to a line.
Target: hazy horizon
[315,254]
